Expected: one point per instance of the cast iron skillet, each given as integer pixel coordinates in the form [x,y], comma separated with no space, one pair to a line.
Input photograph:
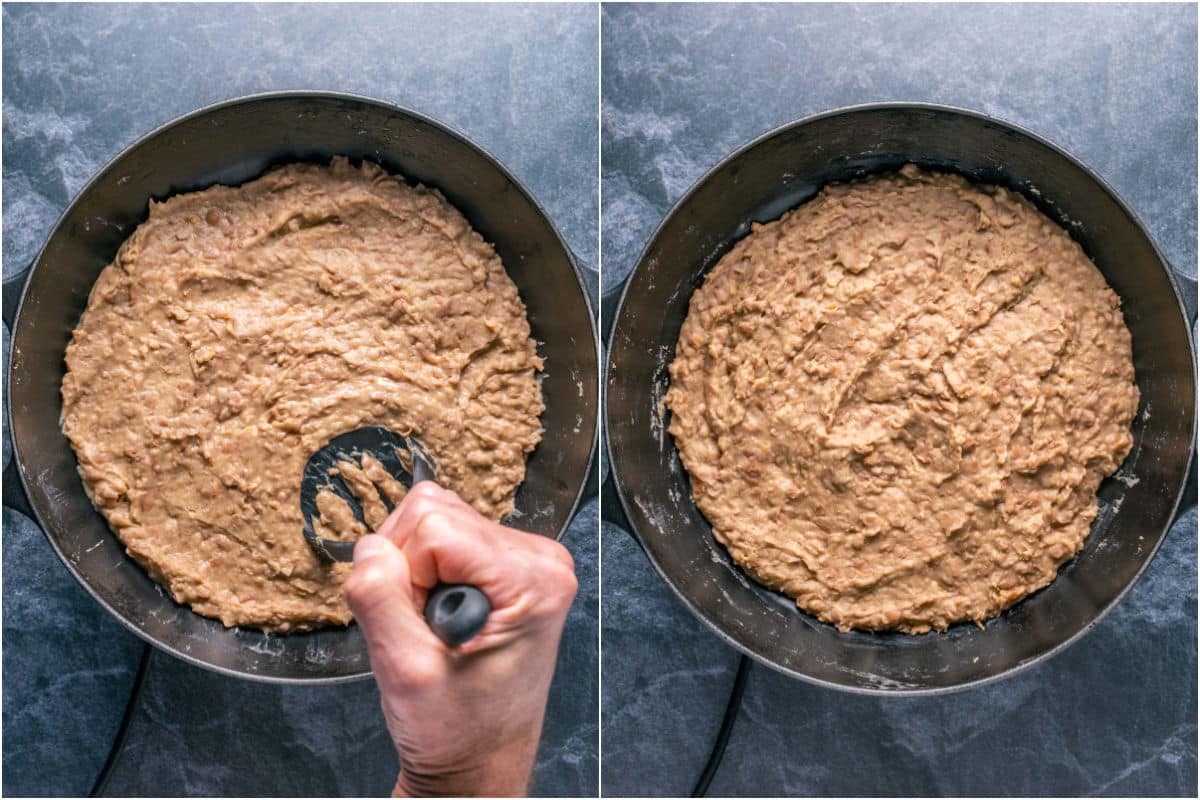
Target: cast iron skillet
[230,143]
[758,183]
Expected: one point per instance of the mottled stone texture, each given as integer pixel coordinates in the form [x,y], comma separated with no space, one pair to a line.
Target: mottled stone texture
[68,669]
[199,733]
[81,82]
[683,86]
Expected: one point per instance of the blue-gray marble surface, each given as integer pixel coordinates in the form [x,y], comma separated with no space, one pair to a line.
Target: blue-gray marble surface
[81,82]
[682,87]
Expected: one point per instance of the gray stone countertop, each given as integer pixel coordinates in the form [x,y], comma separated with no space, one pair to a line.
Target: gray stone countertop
[682,87]
[81,82]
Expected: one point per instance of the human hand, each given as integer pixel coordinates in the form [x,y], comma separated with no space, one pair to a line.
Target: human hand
[465,720]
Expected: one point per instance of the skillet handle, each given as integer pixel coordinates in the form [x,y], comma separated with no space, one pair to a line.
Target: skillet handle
[611,510]
[13,290]
[591,484]
[14,491]
[1187,293]
[1187,500]
[609,302]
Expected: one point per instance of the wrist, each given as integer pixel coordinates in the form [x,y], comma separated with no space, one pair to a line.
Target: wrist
[474,783]
[504,772]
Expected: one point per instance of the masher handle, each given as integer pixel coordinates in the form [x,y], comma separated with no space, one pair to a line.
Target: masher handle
[454,611]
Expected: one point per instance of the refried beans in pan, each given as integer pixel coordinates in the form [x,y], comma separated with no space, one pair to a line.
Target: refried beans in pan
[897,401]
[239,329]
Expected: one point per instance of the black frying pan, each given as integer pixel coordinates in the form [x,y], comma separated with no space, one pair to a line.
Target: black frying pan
[781,170]
[231,143]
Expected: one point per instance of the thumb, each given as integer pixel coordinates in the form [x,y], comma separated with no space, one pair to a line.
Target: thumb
[379,592]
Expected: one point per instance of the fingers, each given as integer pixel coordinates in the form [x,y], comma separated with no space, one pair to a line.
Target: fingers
[430,509]
[379,593]
[434,537]
[424,498]
[445,540]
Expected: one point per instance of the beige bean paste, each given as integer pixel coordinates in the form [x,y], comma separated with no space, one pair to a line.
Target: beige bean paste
[239,329]
[897,401]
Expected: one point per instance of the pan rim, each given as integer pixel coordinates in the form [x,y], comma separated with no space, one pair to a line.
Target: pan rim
[893,105]
[158,130]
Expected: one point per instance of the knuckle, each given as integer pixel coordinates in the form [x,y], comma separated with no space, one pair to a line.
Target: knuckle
[560,587]
[412,673]
[424,491]
[554,552]
[419,502]
[560,553]
[366,584]
[568,587]
[420,673]
[434,524]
